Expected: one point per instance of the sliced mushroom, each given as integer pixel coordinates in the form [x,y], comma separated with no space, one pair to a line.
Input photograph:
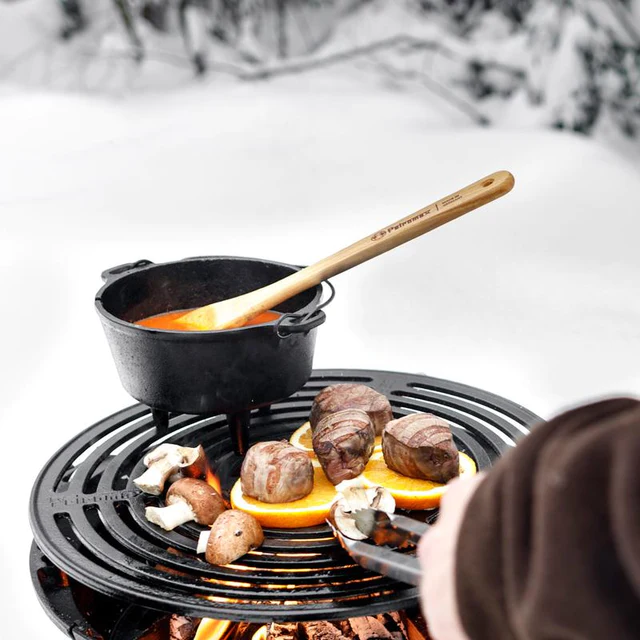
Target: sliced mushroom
[353,496]
[276,472]
[166,460]
[344,521]
[187,499]
[343,443]
[421,446]
[379,498]
[196,462]
[339,397]
[232,535]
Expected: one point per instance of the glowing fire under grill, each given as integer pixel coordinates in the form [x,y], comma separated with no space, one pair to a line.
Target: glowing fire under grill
[95,551]
[391,626]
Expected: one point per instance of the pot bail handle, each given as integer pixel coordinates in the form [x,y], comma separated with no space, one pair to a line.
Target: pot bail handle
[109,274]
[302,322]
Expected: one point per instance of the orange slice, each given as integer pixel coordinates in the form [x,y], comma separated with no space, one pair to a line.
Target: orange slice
[307,512]
[301,439]
[410,493]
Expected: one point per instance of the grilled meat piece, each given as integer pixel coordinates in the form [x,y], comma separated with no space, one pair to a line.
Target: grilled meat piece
[421,446]
[343,442]
[276,472]
[338,397]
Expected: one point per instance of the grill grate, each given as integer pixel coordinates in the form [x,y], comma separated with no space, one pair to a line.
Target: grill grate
[88,517]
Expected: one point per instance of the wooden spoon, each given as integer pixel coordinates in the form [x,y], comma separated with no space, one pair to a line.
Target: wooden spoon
[235,312]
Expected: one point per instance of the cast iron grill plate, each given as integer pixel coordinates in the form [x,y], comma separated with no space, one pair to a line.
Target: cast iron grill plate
[88,517]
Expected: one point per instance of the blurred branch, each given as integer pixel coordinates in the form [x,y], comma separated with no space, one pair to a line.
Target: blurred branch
[9,66]
[394,42]
[124,9]
[438,89]
[286,68]
[281,25]
[304,65]
[624,17]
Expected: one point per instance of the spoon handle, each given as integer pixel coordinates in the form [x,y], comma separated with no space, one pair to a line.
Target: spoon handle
[434,215]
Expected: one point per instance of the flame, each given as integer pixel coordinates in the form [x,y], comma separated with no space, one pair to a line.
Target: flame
[229,583]
[213,480]
[242,567]
[285,555]
[357,596]
[260,634]
[324,539]
[210,629]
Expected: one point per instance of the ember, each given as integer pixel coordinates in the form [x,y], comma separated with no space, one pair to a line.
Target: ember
[85,506]
[388,626]
[210,629]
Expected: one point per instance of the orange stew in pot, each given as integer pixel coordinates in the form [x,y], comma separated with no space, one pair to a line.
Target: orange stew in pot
[168,320]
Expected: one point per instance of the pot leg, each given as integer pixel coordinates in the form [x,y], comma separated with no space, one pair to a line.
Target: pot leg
[239,430]
[161,420]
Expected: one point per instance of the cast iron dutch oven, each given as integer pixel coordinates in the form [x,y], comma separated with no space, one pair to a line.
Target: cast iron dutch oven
[206,372]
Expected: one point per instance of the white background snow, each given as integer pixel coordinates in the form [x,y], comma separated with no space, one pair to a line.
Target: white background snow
[535,297]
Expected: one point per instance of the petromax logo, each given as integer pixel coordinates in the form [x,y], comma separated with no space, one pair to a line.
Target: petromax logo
[399,225]
[379,235]
[92,498]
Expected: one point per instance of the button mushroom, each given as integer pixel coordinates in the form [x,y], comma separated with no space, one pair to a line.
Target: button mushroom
[421,446]
[166,460]
[232,535]
[338,397]
[276,472]
[343,443]
[187,499]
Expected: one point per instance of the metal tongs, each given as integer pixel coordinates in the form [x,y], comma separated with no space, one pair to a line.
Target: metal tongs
[385,529]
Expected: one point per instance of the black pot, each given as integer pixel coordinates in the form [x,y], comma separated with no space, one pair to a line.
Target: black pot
[206,372]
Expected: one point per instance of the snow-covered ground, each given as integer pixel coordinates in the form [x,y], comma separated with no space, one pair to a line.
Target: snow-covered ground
[529,74]
[535,297]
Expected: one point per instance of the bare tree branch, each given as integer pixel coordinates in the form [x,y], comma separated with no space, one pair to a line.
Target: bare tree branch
[625,19]
[440,90]
[303,65]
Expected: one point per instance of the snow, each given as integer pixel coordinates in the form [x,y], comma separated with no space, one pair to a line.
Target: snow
[534,297]
[432,56]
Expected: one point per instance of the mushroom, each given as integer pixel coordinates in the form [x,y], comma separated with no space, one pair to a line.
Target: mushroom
[187,499]
[344,521]
[196,462]
[343,442]
[182,627]
[203,540]
[338,397]
[353,496]
[276,472]
[421,446]
[232,535]
[166,460]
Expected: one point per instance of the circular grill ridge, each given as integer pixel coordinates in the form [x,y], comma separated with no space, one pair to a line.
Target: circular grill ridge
[88,517]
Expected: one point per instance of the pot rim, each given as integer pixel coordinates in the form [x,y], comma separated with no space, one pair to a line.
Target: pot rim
[145,265]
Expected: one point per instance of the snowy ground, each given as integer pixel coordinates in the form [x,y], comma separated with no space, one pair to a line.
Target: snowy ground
[534,297]
[384,41]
